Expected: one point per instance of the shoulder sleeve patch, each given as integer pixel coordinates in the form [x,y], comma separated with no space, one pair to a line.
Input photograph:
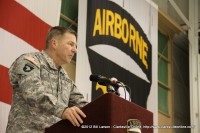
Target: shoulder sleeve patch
[28,68]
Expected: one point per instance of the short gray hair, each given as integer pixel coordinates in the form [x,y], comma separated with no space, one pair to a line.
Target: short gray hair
[58,31]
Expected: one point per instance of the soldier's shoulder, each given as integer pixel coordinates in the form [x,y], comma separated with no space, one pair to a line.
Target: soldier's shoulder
[25,63]
[32,58]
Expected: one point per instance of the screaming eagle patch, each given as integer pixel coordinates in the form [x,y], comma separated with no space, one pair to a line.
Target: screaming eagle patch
[28,68]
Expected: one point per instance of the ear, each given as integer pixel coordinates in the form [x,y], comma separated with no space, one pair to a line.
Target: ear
[54,43]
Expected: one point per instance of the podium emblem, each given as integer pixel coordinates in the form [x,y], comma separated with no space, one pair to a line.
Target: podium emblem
[133,126]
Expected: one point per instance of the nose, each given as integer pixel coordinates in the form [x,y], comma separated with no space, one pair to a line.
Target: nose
[74,49]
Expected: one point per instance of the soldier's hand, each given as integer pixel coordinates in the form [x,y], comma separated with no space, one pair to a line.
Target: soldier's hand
[74,115]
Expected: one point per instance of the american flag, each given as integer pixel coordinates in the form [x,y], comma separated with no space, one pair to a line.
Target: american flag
[23,28]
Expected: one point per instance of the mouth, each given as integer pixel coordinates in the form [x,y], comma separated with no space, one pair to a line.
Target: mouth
[71,56]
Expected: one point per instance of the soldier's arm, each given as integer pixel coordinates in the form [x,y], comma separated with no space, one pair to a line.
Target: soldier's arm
[73,113]
[76,98]
[27,74]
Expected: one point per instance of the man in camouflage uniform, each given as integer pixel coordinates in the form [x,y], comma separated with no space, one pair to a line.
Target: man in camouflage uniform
[43,94]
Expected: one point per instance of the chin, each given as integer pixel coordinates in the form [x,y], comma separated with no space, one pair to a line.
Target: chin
[68,61]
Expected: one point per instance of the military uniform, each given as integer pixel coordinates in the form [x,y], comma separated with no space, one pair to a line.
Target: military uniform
[41,92]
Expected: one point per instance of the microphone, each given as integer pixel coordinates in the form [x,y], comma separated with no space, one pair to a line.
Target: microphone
[110,84]
[105,81]
[112,81]
[100,79]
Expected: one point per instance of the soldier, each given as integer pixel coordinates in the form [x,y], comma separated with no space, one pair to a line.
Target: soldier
[43,94]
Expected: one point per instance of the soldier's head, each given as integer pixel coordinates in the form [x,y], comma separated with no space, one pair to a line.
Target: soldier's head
[57,32]
[61,44]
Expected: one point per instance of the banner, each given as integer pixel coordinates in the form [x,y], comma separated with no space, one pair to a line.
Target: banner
[23,28]
[119,39]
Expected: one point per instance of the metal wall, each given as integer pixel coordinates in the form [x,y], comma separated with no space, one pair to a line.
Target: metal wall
[186,66]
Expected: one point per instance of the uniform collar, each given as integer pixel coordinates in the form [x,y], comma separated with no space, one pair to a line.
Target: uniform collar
[49,61]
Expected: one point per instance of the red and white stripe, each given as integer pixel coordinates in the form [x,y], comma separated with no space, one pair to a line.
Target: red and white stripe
[23,28]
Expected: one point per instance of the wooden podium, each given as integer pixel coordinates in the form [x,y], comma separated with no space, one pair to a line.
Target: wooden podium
[107,114]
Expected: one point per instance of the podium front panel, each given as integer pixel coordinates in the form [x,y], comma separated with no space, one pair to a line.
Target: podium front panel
[109,113]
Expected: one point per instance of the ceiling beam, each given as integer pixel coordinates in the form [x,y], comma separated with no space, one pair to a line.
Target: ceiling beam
[177,9]
[167,25]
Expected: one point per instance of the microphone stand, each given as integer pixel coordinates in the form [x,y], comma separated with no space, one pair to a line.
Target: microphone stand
[112,89]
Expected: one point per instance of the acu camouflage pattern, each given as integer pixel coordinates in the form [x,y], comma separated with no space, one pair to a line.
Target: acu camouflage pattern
[41,92]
